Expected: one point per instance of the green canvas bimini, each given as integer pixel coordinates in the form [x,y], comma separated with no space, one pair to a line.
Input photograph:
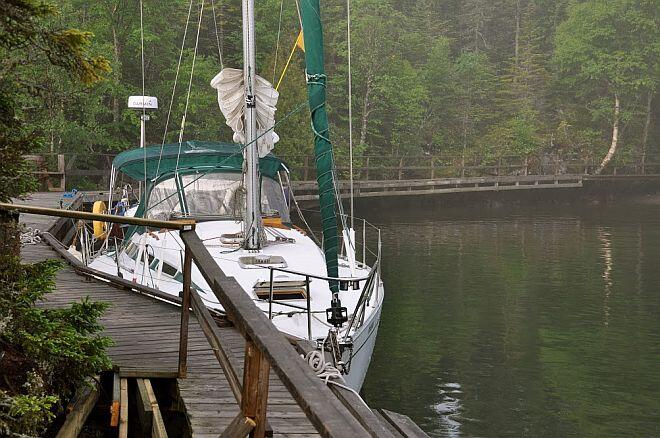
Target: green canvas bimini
[193,155]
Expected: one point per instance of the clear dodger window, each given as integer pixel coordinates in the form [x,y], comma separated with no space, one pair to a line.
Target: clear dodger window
[212,195]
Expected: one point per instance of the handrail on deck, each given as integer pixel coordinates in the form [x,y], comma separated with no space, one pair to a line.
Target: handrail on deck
[368,289]
[181,225]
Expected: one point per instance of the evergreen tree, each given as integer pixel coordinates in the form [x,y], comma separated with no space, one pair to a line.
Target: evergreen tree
[463,77]
[607,51]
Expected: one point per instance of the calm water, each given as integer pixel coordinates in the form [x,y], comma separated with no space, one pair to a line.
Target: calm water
[537,322]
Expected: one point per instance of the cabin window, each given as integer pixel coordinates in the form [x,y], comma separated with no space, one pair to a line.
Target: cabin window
[169,269]
[212,195]
[132,250]
[272,200]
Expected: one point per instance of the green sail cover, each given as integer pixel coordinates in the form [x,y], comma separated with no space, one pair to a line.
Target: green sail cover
[316,81]
[194,155]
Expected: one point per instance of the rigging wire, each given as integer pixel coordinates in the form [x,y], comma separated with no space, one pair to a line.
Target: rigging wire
[277,45]
[144,110]
[237,153]
[299,16]
[192,72]
[217,37]
[350,106]
[176,78]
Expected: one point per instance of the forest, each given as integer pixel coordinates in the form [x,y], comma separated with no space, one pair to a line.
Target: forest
[468,78]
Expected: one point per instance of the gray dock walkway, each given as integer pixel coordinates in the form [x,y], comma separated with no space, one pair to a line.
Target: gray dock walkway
[146,335]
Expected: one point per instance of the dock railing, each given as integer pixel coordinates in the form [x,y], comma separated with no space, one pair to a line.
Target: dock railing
[93,170]
[386,167]
[265,347]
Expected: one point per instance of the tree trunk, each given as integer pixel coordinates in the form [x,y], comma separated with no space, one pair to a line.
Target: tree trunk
[517,39]
[10,234]
[116,114]
[615,136]
[647,127]
[466,124]
[365,109]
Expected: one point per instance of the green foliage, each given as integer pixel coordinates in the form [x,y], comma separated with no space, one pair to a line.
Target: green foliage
[29,45]
[25,414]
[516,136]
[611,44]
[607,50]
[431,76]
[473,94]
[45,354]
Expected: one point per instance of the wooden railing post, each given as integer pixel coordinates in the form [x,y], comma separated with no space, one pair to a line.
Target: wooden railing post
[61,169]
[526,166]
[185,313]
[254,401]
[306,168]
[401,169]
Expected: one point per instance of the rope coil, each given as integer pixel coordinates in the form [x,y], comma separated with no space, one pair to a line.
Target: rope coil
[327,372]
[30,236]
[322,368]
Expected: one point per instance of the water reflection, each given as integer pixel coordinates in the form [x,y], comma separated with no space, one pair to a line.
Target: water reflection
[525,323]
[606,254]
[449,409]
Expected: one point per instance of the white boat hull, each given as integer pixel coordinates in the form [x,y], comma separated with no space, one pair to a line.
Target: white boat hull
[364,342]
[301,256]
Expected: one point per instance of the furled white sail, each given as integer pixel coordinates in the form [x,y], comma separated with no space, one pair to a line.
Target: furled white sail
[231,99]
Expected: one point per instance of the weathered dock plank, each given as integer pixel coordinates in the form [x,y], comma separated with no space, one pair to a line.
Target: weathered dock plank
[146,335]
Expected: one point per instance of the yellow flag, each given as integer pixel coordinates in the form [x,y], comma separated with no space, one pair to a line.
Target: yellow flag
[300,42]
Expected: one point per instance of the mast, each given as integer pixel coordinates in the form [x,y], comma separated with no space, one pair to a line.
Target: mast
[252,220]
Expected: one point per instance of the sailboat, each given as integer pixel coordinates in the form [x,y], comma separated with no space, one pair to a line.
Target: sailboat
[240,196]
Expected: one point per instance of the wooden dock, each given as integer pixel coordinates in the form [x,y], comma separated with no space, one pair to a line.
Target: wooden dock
[378,176]
[146,331]
[307,190]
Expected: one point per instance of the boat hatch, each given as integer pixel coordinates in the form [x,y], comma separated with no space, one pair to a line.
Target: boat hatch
[260,260]
[282,290]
